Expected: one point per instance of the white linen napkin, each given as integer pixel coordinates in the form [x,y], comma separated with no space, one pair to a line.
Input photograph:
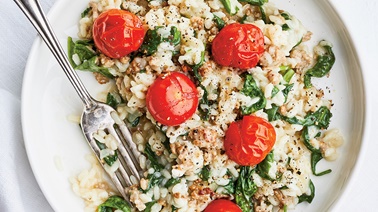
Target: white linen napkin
[19,191]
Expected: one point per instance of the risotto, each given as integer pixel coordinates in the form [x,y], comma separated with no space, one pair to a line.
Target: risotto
[192,163]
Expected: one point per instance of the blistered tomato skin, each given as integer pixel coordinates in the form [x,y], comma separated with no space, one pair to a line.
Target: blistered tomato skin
[238,45]
[222,205]
[249,140]
[172,99]
[117,33]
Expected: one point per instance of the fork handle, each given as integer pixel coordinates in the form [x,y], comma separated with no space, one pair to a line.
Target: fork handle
[33,11]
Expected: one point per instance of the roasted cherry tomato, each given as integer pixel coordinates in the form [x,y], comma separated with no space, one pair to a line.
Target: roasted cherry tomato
[172,99]
[238,45]
[222,205]
[117,33]
[249,140]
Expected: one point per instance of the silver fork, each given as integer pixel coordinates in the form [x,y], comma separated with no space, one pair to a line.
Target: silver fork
[96,116]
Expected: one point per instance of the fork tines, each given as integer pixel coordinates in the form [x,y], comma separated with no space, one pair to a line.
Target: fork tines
[125,171]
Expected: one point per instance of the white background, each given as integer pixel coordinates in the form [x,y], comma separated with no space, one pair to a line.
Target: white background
[18,188]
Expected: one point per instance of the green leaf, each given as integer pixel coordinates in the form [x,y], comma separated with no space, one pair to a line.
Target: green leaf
[83,49]
[285,27]
[219,22]
[299,42]
[85,12]
[263,168]
[116,203]
[230,187]
[308,198]
[243,19]
[110,159]
[166,143]
[251,89]
[288,73]
[275,91]
[316,155]
[174,38]
[205,113]
[153,179]
[172,182]
[84,52]
[90,65]
[205,173]
[255,2]
[286,90]
[149,206]
[100,145]
[285,208]
[306,140]
[245,189]
[320,118]
[263,15]
[230,8]
[152,39]
[315,158]
[135,122]
[273,113]
[85,42]
[285,16]
[323,65]
[195,68]
[153,158]
[70,51]
[293,120]
[113,99]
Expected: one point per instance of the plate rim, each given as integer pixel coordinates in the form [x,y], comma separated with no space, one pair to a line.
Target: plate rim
[345,188]
[25,131]
[353,175]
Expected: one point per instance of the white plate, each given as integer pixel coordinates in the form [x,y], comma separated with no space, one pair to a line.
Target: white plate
[56,147]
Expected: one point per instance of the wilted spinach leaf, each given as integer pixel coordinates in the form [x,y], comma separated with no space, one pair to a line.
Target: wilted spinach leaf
[219,22]
[263,168]
[230,187]
[90,65]
[320,118]
[286,90]
[110,159]
[245,189]
[113,99]
[255,2]
[149,206]
[316,155]
[152,40]
[172,182]
[251,89]
[308,198]
[153,179]
[153,158]
[230,7]
[85,12]
[323,65]
[114,203]
[205,173]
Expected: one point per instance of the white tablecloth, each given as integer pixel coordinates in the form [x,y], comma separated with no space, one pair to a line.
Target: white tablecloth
[18,188]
